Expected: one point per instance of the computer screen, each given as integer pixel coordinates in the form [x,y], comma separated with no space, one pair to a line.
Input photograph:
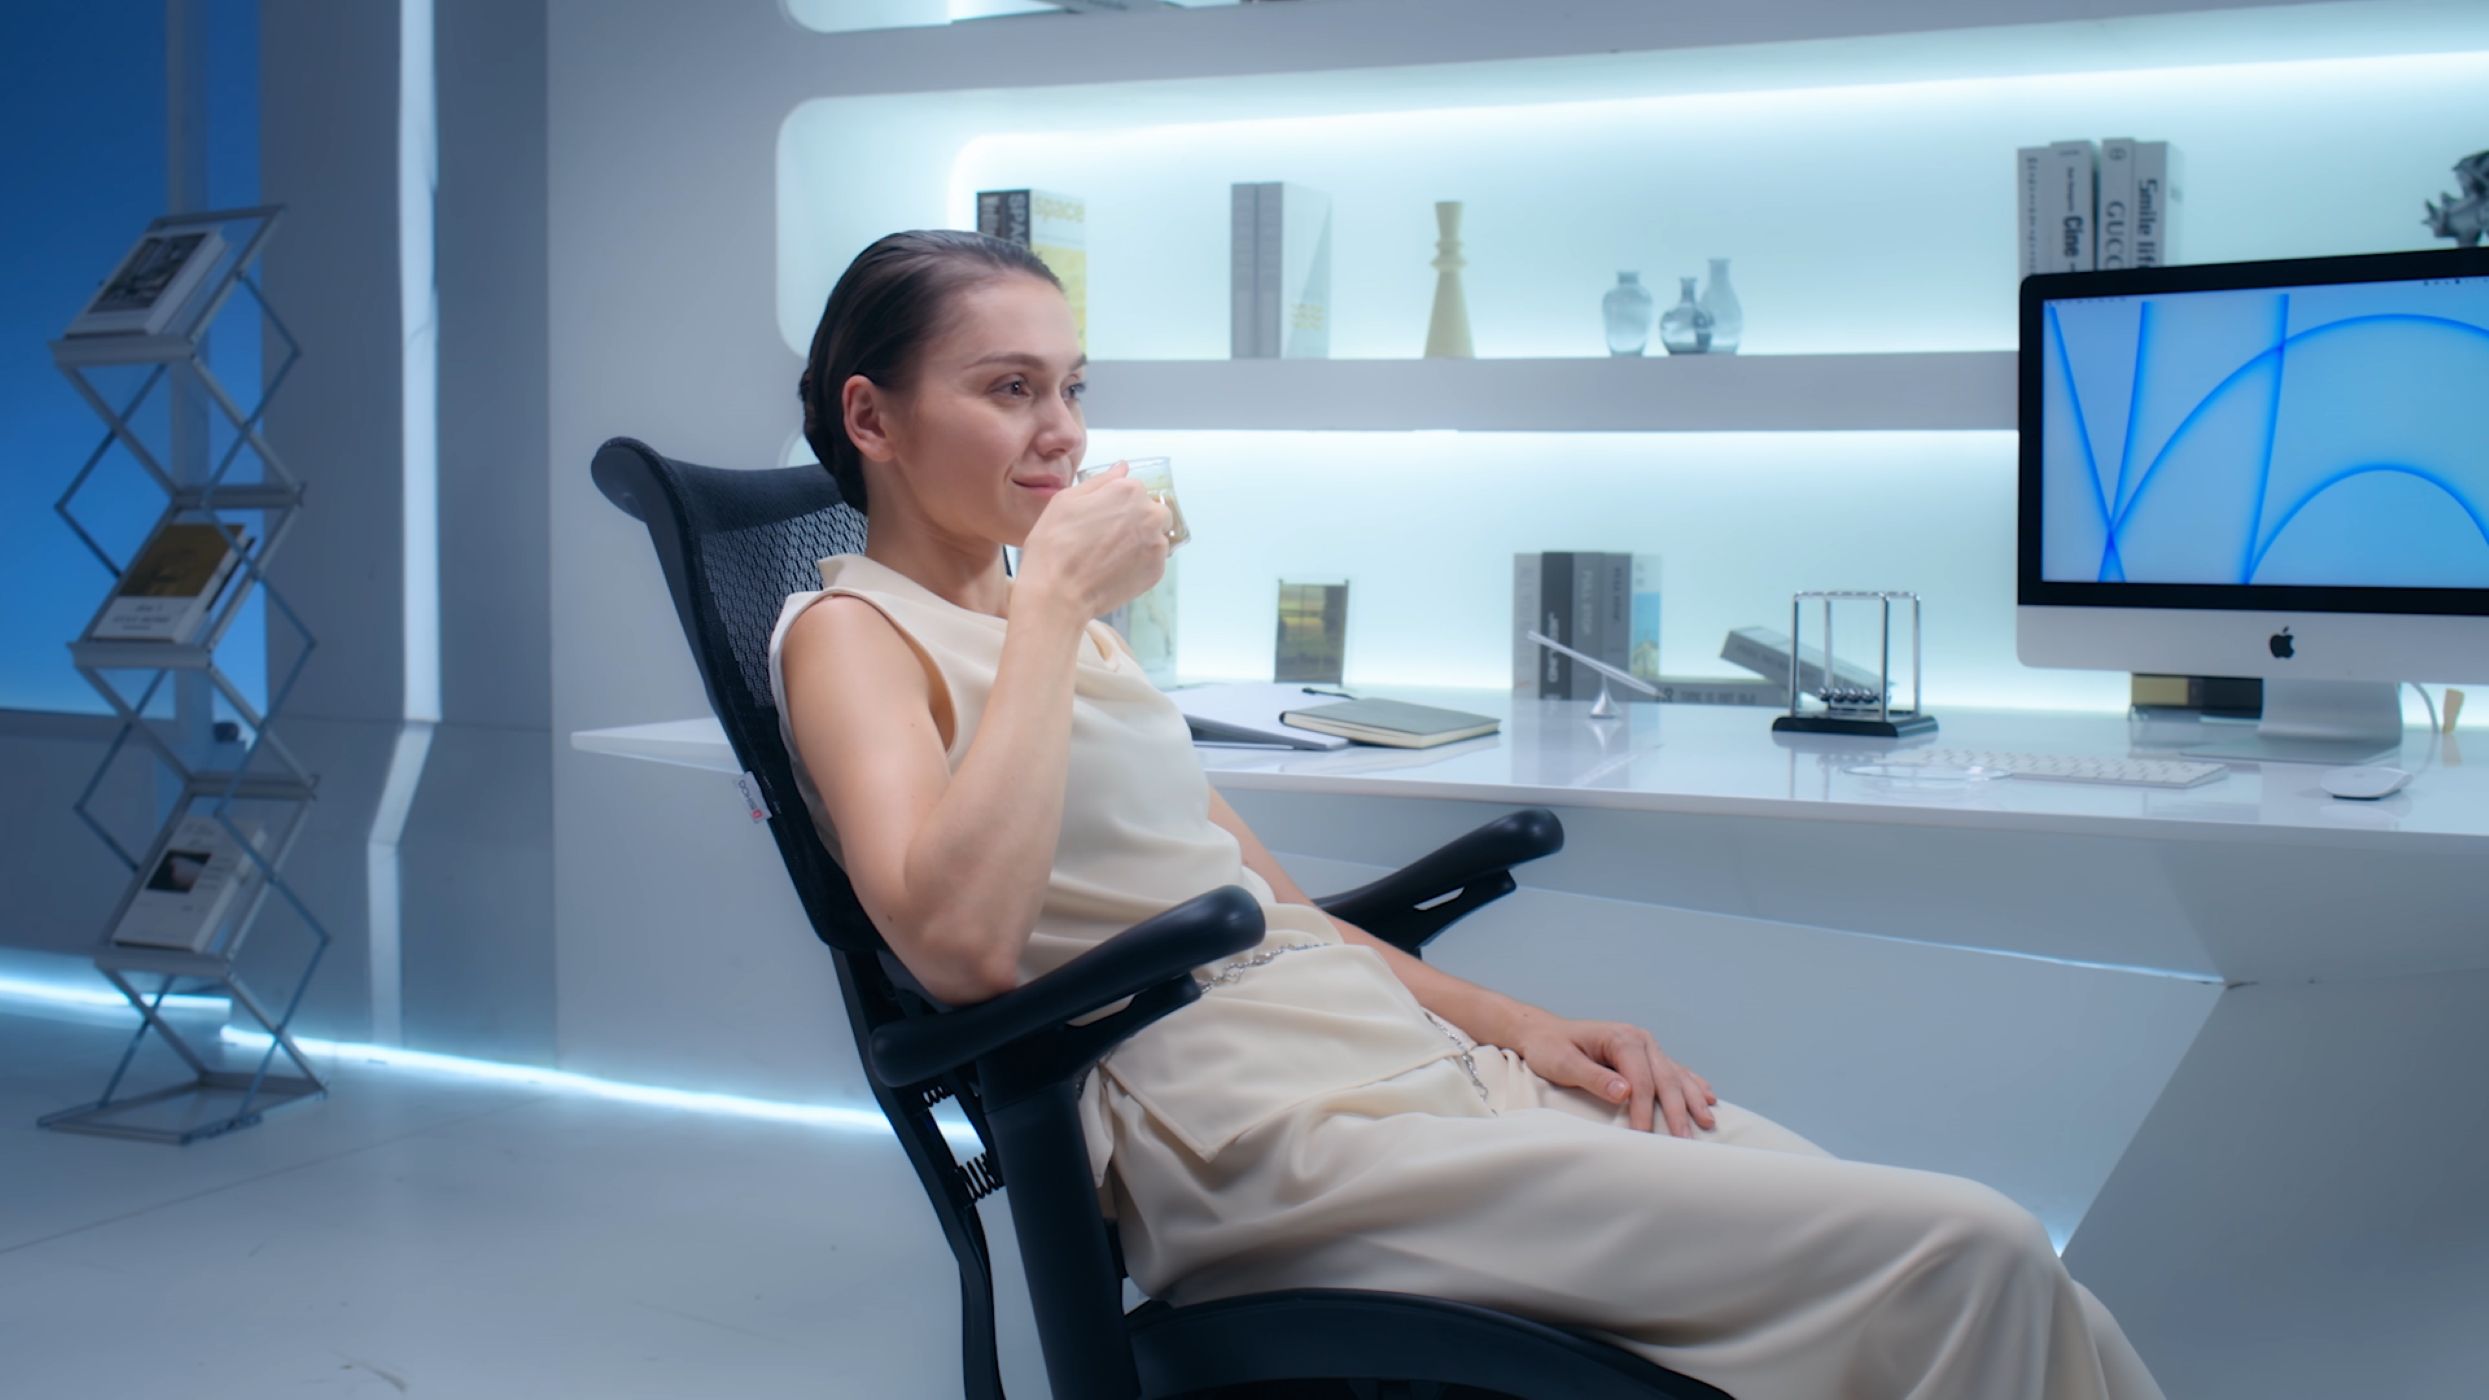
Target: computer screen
[2297,435]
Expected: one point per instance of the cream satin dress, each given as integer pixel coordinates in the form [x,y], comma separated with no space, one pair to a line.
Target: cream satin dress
[1308,1124]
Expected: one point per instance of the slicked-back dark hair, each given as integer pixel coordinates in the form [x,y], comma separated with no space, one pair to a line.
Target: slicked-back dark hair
[887,304]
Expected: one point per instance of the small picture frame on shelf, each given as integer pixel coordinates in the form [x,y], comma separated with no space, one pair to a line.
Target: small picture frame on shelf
[153,282]
[1313,631]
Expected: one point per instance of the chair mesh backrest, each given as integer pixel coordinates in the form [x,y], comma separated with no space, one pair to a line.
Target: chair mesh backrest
[758,542]
[733,545]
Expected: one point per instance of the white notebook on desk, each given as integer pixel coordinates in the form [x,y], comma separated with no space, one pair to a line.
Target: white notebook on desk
[1247,712]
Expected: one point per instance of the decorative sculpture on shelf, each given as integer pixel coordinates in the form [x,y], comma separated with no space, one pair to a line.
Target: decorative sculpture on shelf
[2465,217]
[1447,332]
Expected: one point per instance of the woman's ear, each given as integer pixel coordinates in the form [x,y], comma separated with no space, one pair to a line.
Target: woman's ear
[866,409]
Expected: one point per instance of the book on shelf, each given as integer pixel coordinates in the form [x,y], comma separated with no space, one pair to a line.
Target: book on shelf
[1642,625]
[197,877]
[1279,267]
[2117,203]
[2157,194]
[172,584]
[1713,690]
[2058,187]
[2030,170]
[1765,652]
[152,284]
[2070,193]
[1555,621]
[1525,619]
[1053,226]
[1394,723]
[1590,571]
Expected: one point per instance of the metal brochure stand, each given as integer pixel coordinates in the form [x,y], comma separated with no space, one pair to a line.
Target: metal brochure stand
[256,790]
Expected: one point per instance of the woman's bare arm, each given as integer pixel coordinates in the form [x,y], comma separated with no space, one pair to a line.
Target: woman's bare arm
[952,867]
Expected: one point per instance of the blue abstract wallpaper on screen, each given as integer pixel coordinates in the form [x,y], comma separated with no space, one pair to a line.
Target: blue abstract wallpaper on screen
[2325,436]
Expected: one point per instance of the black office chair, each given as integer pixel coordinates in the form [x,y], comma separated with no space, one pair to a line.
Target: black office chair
[733,545]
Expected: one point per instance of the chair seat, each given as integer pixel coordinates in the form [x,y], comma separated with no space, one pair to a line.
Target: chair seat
[1269,1337]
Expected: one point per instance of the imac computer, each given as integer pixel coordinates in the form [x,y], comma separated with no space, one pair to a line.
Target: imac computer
[2274,469]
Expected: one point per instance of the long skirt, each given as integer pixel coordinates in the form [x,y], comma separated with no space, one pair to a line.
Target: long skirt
[1746,1257]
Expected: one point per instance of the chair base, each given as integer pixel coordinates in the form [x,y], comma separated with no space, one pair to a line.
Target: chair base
[1255,1344]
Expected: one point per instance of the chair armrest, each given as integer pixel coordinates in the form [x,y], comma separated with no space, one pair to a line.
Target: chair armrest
[1156,955]
[1414,903]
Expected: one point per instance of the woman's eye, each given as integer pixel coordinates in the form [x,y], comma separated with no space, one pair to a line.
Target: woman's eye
[1076,392]
[1014,386]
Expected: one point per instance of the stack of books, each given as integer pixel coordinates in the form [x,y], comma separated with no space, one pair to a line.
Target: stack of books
[1602,605]
[1280,272]
[2089,206]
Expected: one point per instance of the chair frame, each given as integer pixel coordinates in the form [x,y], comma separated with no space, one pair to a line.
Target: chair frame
[1014,1064]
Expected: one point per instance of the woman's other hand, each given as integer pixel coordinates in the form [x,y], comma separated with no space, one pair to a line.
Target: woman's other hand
[1099,544]
[1622,1064]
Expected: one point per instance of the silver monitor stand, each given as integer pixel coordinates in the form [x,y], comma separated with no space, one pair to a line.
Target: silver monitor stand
[2334,722]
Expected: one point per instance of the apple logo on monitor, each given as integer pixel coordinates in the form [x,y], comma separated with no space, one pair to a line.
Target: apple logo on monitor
[2282,644]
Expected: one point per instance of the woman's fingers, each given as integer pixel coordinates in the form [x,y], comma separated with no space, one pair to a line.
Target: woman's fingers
[1671,1091]
[1641,1085]
[1683,1095]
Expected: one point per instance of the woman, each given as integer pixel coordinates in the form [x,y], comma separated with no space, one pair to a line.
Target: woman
[1005,789]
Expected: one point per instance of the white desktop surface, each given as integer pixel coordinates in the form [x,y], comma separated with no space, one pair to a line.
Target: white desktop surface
[1724,760]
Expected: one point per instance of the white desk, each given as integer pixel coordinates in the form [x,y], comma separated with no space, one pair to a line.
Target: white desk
[2294,1194]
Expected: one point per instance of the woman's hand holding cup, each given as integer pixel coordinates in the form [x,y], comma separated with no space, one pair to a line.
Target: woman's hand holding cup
[1099,544]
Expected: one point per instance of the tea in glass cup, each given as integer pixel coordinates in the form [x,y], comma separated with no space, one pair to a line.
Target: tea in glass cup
[1156,477]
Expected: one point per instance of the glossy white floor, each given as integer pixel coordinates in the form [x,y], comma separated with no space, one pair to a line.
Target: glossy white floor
[425,1234]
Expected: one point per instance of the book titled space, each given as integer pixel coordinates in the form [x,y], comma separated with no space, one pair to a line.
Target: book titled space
[1053,226]
[172,585]
[1279,304]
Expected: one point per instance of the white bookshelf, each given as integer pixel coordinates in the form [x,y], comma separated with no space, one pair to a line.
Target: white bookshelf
[1968,390]
[1854,161]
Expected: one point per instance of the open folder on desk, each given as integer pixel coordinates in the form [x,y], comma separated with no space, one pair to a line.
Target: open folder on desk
[1248,712]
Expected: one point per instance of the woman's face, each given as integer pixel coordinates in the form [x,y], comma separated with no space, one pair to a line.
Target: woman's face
[991,427]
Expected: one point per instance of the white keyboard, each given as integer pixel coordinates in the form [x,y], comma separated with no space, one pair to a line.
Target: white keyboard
[2065,768]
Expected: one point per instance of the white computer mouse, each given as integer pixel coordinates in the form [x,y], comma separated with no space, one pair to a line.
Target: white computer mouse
[2366,783]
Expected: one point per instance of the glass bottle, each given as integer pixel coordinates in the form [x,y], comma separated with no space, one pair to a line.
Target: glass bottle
[1728,319]
[1628,309]
[1686,328]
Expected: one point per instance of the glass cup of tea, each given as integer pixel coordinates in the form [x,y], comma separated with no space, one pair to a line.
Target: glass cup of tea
[1156,477]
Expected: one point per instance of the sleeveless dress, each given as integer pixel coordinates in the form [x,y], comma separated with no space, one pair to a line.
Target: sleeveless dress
[1307,1123]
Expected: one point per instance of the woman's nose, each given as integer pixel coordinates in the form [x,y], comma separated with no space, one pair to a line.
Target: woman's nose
[1059,429]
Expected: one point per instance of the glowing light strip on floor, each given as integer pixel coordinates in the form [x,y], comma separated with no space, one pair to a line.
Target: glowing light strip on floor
[861,1118]
[104,998]
[845,1117]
